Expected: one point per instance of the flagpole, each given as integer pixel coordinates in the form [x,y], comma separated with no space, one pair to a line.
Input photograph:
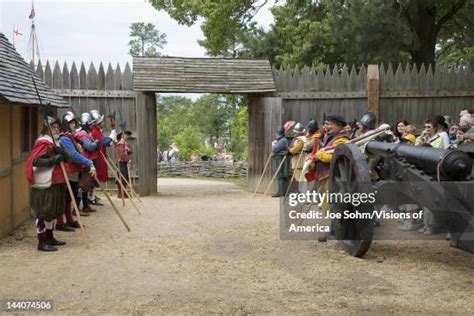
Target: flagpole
[13,35]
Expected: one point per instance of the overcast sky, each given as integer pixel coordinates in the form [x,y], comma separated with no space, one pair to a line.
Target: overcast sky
[97,30]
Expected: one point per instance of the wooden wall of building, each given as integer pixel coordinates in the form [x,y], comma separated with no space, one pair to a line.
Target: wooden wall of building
[18,130]
[264,117]
[5,169]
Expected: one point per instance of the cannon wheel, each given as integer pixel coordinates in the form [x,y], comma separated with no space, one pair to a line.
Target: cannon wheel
[350,174]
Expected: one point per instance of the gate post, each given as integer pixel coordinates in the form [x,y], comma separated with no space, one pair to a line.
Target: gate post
[147,143]
[373,85]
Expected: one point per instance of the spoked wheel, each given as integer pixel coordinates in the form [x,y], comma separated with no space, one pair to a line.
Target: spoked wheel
[350,175]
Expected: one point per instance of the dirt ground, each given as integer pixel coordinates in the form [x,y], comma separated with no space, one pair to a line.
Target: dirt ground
[209,247]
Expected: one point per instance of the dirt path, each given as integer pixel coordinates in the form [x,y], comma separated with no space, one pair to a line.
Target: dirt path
[209,247]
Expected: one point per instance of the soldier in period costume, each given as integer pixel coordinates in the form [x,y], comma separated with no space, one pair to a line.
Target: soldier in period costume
[296,151]
[279,152]
[335,135]
[89,151]
[123,156]
[48,189]
[367,123]
[312,142]
[103,142]
[76,163]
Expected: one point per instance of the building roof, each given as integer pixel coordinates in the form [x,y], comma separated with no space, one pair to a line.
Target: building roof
[202,75]
[16,84]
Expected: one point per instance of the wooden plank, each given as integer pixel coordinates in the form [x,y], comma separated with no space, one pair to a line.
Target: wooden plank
[66,77]
[57,82]
[322,95]
[48,75]
[39,70]
[127,78]
[373,84]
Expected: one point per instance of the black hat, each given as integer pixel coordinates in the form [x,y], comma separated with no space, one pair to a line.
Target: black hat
[280,130]
[312,126]
[441,121]
[119,135]
[336,119]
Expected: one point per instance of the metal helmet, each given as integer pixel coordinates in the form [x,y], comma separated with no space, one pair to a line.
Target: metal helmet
[68,117]
[312,126]
[298,128]
[85,120]
[369,120]
[97,118]
[51,120]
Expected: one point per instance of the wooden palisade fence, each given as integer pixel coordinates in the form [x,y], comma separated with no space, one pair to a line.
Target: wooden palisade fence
[107,90]
[404,92]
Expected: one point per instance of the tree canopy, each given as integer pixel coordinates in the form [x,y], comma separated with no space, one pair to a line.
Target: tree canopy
[145,40]
[210,118]
[308,32]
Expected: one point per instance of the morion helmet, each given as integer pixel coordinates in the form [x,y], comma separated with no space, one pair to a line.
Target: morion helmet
[85,121]
[369,119]
[97,118]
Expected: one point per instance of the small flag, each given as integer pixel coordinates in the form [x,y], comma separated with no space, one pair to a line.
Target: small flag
[17,32]
[32,14]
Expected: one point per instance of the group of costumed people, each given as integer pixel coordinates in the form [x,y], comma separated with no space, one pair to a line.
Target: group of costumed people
[304,153]
[309,159]
[80,145]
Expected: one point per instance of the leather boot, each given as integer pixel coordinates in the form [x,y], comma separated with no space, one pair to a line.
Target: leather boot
[65,228]
[53,241]
[89,210]
[74,224]
[43,245]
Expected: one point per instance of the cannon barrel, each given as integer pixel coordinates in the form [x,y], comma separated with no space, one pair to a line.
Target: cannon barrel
[454,165]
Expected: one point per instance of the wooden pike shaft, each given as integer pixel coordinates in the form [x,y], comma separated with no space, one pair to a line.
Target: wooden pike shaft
[84,235]
[263,173]
[274,177]
[129,183]
[292,177]
[129,178]
[112,204]
[120,183]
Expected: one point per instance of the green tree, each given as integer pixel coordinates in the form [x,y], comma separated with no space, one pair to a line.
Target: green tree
[223,20]
[240,134]
[189,141]
[145,40]
[173,113]
[328,31]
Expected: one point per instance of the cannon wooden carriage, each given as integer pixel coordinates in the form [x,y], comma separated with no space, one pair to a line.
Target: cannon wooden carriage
[440,180]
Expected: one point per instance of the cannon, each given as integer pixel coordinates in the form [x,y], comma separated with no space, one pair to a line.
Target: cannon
[441,180]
